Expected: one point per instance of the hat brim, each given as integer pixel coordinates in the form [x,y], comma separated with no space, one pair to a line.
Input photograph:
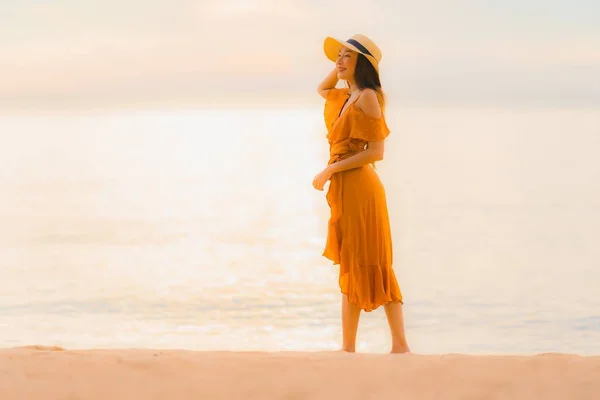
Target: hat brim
[332,47]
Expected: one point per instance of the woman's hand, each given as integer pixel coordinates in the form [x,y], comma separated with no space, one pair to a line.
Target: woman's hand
[322,177]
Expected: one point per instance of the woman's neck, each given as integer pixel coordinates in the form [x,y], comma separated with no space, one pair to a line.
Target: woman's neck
[354,89]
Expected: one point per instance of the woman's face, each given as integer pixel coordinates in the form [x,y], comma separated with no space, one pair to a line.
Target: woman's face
[346,63]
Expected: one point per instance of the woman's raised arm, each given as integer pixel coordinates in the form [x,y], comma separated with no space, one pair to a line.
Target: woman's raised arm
[328,83]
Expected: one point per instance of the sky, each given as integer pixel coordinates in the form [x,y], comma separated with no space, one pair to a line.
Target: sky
[134,53]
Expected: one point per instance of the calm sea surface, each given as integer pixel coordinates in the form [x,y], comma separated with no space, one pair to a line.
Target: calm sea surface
[201,230]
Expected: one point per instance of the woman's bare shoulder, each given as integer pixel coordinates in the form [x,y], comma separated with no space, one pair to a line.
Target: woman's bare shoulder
[368,103]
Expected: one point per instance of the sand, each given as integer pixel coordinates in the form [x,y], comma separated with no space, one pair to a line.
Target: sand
[38,372]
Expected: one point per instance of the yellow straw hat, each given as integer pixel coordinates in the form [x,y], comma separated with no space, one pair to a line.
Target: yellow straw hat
[359,43]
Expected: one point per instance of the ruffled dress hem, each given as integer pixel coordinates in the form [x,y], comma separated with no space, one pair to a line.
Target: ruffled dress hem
[374,300]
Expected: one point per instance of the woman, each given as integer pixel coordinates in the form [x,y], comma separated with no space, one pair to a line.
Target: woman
[358,236]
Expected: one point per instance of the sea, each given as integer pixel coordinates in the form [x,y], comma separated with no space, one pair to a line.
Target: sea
[199,229]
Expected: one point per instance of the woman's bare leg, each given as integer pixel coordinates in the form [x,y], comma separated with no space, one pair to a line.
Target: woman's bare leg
[350,317]
[393,311]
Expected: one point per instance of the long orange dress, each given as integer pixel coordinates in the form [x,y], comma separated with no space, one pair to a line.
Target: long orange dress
[358,234]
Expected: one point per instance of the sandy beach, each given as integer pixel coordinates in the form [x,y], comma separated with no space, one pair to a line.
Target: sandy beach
[45,372]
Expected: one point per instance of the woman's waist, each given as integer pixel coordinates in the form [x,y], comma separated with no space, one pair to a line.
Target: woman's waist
[343,149]
[365,173]
[336,157]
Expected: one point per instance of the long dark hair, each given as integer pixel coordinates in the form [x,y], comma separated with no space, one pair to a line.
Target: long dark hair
[366,76]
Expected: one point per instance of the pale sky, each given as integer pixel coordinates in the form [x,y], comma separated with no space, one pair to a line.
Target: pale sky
[79,53]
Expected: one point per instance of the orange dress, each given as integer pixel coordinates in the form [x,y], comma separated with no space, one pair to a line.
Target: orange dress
[358,234]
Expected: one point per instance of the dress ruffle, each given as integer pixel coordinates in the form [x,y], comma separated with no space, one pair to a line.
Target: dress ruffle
[367,128]
[382,287]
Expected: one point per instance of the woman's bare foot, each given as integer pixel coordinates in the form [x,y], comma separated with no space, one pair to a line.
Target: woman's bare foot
[400,350]
[348,350]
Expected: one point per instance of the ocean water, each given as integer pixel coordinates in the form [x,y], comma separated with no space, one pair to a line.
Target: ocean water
[199,229]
